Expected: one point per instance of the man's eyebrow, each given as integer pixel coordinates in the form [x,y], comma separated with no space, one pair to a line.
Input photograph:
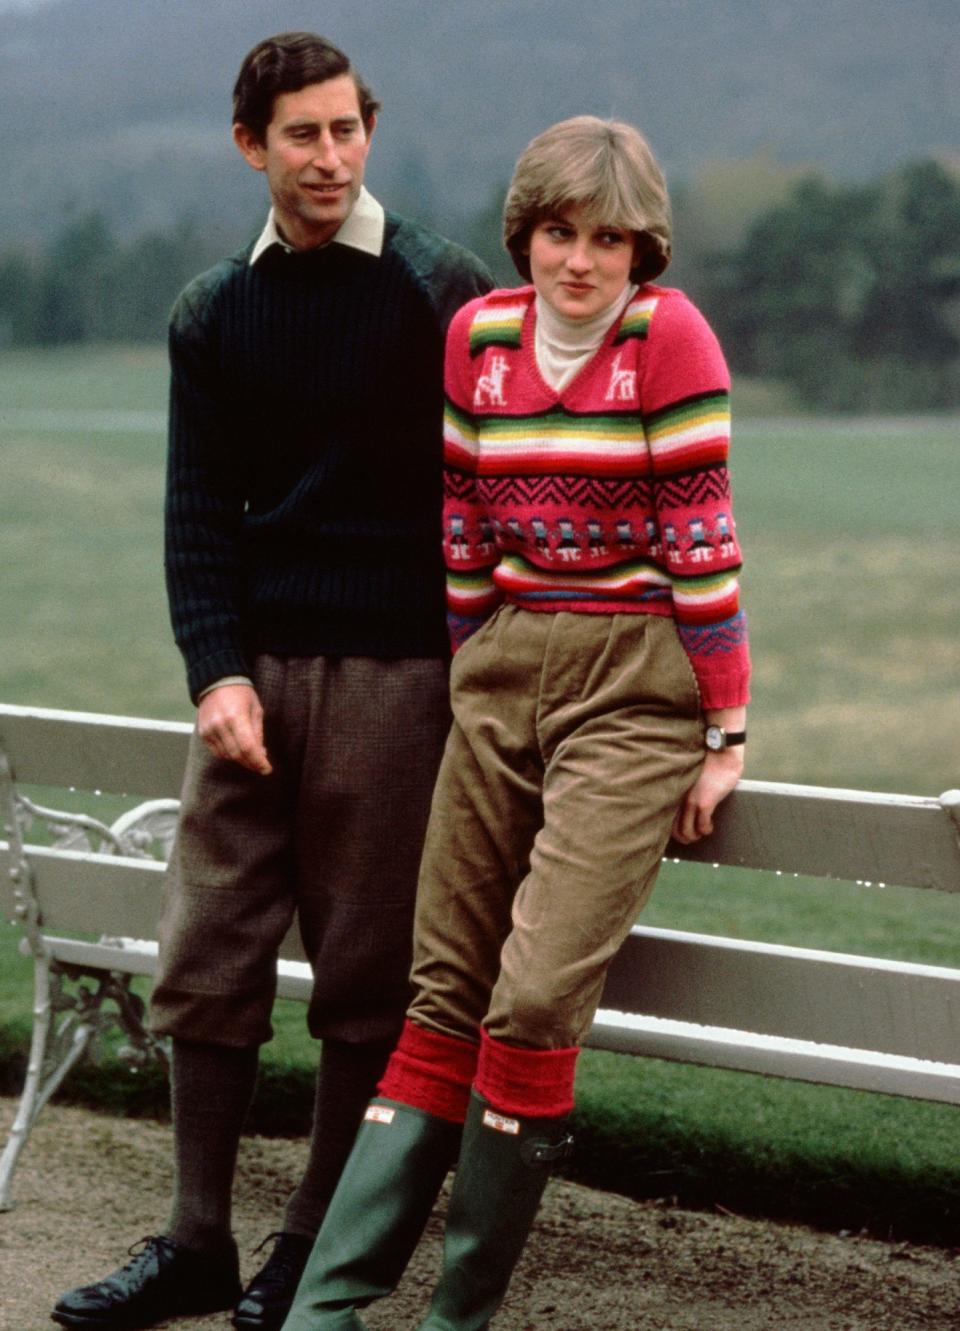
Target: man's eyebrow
[310,122]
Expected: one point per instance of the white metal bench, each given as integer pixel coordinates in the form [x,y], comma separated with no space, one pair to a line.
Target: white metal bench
[793,1012]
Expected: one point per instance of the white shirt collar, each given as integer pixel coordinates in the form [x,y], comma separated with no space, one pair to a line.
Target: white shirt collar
[362,230]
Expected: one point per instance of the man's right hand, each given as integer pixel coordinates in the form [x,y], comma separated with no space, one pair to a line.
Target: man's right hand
[230,723]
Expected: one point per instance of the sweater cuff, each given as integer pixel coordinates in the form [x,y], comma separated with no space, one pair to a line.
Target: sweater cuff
[220,683]
[208,670]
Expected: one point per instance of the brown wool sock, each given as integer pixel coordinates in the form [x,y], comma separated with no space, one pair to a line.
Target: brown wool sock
[211,1090]
[346,1082]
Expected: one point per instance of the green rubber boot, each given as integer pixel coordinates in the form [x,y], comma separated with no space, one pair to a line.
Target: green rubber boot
[376,1217]
[504,1166]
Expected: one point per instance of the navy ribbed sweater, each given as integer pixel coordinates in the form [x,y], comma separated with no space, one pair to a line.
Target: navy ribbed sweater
[305,462]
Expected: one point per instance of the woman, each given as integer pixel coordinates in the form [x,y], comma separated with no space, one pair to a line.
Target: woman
[599,686]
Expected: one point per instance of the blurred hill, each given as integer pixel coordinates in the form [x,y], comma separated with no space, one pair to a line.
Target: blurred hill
[122,106]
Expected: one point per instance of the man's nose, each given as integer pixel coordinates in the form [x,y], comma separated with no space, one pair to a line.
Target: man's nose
[326,157]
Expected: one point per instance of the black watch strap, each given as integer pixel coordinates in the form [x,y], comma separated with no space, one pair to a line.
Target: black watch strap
[718,739]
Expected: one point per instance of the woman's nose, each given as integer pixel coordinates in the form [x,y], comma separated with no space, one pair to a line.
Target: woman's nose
[580,259]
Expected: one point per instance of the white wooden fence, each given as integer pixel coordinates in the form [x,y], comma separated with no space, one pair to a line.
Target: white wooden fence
[819,1016]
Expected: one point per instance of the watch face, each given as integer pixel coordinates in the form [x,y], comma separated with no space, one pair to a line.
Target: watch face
[714,738]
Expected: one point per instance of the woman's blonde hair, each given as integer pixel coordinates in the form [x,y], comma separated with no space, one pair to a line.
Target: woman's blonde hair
[605,166]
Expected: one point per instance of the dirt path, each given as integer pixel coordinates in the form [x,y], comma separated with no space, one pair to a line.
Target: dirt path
[89,1185]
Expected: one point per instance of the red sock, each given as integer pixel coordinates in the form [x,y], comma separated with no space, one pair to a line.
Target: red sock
[432,1072]
[534,1083]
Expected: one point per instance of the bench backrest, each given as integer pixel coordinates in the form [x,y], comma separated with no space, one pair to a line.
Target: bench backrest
[111,755]
[685,990]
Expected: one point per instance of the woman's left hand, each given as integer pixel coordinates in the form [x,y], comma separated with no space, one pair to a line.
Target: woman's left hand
[718,776]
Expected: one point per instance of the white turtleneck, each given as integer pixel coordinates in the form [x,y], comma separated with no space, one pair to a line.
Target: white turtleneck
[563,346]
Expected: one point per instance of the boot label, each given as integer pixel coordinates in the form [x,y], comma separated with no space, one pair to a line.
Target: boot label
[379,1114]
[499,1123]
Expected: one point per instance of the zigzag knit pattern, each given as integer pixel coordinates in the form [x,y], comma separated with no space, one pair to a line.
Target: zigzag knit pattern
[697,488]
[596,492]
[610,497]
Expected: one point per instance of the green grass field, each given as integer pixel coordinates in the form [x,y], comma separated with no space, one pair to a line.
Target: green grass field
[851,587]
[850,584]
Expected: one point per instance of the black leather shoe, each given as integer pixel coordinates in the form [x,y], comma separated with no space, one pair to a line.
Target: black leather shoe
[268,1298]
[161,1280]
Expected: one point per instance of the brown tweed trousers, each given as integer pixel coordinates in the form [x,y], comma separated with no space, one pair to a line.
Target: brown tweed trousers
[333,836]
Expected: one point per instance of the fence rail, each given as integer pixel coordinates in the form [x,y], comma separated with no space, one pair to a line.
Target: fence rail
[814,1015]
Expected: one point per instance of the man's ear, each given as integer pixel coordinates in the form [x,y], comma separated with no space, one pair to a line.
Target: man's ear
[253,151]
[370,126]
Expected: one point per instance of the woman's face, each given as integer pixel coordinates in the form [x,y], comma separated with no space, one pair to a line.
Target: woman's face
[578,268]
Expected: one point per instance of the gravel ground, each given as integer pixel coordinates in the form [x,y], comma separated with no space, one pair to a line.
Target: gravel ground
[89,1185]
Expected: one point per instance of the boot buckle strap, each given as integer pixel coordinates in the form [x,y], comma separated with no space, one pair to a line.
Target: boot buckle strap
[536,1151]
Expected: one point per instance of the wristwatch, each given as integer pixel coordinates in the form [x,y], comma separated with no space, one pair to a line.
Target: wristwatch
[717,739]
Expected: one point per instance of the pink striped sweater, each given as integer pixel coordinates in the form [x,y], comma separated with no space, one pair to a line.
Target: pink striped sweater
[610,497]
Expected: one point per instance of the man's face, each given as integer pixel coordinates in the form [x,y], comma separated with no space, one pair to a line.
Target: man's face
[314,155]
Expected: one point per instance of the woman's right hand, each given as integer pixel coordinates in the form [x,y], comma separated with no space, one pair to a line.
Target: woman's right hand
[718,776]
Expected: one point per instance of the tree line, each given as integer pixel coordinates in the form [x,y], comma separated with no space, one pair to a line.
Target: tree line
[850,294]
[85,285]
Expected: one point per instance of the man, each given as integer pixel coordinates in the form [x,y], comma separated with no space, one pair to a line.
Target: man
[306,590]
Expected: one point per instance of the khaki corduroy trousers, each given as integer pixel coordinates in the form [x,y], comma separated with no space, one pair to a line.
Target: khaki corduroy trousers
[575,738]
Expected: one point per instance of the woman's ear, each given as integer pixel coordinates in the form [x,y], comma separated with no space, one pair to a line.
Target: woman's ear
[650,257]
